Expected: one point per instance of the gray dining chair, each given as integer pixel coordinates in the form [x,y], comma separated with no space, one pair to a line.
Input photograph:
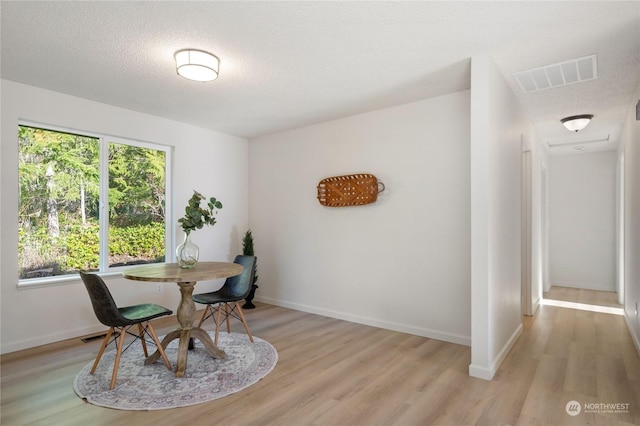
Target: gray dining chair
[120,320]
[224,302]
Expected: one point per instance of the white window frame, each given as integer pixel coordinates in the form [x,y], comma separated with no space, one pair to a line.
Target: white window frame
[104,140]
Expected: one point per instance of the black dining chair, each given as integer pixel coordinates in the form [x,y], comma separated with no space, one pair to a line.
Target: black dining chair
[224,301]
[120,320]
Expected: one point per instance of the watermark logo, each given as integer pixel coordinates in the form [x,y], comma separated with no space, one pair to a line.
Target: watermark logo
[573,408]
[607,408]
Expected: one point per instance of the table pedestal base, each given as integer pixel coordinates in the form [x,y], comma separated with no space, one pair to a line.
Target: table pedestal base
[183,347]
[186,315]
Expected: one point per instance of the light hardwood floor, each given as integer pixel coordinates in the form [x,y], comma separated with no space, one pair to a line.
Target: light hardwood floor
[579,295]
[333,372]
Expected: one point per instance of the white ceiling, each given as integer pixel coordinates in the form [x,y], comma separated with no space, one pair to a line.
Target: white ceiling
[291,64]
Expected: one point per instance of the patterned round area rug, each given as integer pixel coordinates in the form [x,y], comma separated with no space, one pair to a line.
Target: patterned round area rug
[154,387]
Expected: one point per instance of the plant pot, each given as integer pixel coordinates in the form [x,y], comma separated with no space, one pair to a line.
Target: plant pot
[249,298]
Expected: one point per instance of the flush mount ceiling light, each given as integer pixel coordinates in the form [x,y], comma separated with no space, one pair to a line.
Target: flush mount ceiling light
[197,65]
[576,122]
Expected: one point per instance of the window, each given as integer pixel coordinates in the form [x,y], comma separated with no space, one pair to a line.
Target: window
[89,202]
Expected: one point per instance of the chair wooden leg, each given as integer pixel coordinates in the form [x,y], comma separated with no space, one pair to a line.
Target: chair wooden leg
[215,341]
[159,346]
[226,313]
[101,351]
[144,343]
[244,321]
[204,315]
[116,363]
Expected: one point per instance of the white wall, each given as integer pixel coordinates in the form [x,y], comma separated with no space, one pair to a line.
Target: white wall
[582,209]
[497,126]
[402,263]
[630,146]
[540,235]
[213,163]
[534,240]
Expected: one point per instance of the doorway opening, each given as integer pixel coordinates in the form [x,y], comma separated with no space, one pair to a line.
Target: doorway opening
[586,218]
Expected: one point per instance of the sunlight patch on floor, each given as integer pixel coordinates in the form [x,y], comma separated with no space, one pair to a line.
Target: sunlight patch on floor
[583,306]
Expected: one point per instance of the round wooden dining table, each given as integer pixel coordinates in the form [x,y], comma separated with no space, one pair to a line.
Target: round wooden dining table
[186,280]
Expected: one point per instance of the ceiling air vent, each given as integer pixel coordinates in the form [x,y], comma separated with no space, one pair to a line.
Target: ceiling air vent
[557,75]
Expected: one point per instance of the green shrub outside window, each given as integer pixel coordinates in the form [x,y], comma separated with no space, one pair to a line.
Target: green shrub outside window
[73,217]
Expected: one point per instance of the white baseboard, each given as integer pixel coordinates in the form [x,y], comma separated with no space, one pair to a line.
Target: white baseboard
[387,325]
[535,306]
[596,287]
[403,328]
[480,372]
[51,338]
[487,372]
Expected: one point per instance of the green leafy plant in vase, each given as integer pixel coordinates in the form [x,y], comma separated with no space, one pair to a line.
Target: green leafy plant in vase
[195,217]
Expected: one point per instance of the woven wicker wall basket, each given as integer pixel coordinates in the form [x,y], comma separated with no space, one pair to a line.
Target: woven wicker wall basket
[349,190]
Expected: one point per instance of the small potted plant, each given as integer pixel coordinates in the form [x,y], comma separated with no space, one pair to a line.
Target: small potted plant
[247,250]
[195,217]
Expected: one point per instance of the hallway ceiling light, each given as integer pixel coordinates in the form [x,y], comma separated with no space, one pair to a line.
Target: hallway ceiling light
[197,65]
[576,122]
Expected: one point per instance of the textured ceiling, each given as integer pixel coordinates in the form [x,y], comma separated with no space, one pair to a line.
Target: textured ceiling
[290,64]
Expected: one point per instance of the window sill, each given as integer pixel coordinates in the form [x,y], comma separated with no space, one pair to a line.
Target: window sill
[31,283]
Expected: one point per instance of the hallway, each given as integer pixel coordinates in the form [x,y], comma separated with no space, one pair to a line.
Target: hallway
[579,355]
